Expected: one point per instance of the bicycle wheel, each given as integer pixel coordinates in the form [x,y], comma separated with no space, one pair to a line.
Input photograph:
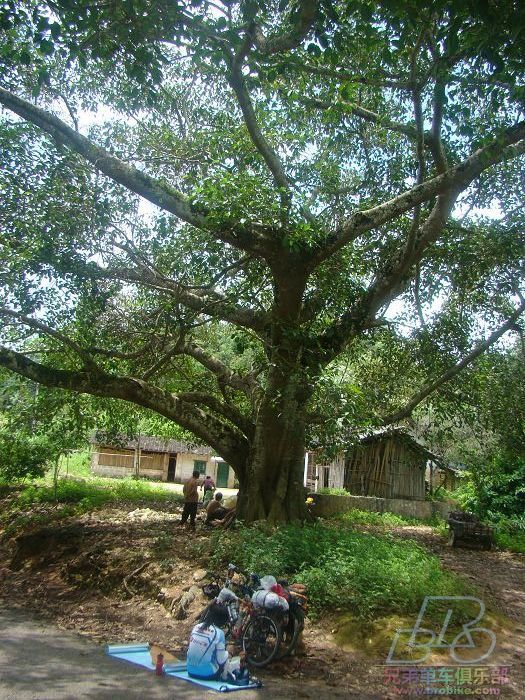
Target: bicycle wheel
[290,633]
[260,640]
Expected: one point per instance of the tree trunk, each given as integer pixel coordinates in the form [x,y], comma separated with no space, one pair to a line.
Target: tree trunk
[271,487]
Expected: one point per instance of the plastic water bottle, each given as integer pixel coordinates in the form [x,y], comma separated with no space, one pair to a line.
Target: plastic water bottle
[232,613]
[238,624]
[159,666]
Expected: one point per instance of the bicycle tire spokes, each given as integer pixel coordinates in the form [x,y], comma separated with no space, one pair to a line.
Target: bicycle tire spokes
[261,639]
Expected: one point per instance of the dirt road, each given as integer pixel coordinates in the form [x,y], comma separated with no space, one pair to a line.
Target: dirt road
[89,575]
[40,662]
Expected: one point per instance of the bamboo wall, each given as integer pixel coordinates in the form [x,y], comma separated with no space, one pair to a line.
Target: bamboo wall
[386,468]
[110,457]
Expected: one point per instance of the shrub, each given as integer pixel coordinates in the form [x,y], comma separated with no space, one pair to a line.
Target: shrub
[365,574]
[23,456]
[512,542]
[440,495]
[365,517]
[332,491]
[495,489]
[510,534]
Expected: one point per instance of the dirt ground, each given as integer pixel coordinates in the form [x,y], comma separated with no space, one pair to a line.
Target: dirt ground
[125,575]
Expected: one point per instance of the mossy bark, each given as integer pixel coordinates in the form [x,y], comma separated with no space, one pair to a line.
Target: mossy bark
[272,485]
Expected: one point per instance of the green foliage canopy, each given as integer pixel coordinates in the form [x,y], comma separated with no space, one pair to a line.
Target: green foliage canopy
[306,164]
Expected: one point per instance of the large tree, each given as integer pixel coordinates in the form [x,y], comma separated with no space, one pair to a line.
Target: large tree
[306,163]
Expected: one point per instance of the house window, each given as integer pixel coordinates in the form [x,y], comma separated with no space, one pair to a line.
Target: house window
[199,466]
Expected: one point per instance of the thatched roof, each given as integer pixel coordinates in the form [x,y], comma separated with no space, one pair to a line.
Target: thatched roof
[149,443]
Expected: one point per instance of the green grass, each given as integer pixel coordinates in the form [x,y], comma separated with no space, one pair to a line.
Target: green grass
[344,570]
[76,464]
[96,492]
[385,520]
[37,504]
[77,485]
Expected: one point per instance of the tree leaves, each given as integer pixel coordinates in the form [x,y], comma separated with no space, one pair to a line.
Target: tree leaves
[154,89]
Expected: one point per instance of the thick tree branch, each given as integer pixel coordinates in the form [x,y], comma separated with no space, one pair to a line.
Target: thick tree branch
[509,145]
[392,280]
[367,115]
[341,75]
[280,43]
[224,374]
[156,192]
[220,407]
[121,355]
[436,144]
[204,302]
[456,369]
[238,85]
[439,99]
[228,441]
[389,283]
[167,198]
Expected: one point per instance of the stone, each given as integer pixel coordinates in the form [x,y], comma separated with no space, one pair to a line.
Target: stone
[199,575]
[181,613]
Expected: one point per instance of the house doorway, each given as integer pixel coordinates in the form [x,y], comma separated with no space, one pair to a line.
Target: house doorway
[223,474]
[171,468]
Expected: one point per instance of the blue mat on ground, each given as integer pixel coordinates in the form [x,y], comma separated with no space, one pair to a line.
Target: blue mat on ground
[139,654]
[219,686]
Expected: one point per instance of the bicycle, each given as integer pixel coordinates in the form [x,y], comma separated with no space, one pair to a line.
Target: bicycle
[256,631]
[296,618]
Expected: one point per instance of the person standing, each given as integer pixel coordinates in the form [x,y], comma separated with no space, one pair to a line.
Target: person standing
[208,488]
[191,499]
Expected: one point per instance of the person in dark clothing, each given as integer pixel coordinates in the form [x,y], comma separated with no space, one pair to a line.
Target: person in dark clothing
[191,499]
[208,488]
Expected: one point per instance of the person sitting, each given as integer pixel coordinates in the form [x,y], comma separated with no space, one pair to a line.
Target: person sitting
[215,510]
[207,657]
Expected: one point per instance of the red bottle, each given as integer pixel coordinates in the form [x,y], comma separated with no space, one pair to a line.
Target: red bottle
[159,666]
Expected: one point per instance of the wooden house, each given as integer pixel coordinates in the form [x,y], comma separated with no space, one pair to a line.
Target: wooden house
[386,463]
[158,459]
[442,475]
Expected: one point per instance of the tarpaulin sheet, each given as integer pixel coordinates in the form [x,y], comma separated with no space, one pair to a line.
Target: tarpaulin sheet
[140,655]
